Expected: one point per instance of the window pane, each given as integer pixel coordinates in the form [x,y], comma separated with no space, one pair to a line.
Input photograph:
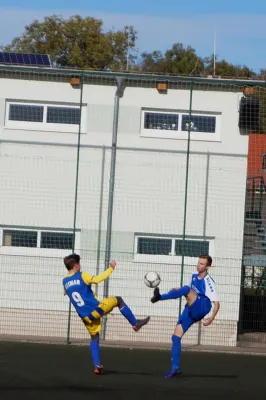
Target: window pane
[20,112]
[191,248]
[57,240]
[63,115]
[161,121]
[154,246]
[19,238]
[199,123]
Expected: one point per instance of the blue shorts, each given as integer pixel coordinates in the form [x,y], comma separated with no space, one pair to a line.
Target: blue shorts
[194,313]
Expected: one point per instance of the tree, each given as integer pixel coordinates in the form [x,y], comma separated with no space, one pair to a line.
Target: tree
[226,70]
[81,43]
[152,62]
[77,42]
[178,60]
[122,44]
[183,61]
[262,74]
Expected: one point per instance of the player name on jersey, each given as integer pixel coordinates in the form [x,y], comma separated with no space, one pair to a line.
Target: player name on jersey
[72,283]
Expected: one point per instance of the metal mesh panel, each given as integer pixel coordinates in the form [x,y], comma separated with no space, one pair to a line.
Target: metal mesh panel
[112,167]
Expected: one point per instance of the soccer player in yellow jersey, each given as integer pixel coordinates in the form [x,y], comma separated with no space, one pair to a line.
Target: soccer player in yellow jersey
[77,286]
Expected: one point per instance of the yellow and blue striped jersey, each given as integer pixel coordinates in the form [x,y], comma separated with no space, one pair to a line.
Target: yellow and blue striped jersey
[77,286]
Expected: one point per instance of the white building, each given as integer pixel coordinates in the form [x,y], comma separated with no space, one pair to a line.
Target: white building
[39,125]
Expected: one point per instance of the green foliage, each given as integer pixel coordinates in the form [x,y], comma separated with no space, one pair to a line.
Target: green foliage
[152,62]
[81,43]
[225,69]
[177,60]
[77,42]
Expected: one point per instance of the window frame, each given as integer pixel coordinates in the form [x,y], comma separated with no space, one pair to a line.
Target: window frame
[38,250]
[171,258]
[179,134]
[44,125]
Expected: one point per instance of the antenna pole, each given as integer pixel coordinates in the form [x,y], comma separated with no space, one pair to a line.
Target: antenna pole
[214,52]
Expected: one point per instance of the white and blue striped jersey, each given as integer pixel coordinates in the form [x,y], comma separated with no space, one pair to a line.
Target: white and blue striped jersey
[204,286]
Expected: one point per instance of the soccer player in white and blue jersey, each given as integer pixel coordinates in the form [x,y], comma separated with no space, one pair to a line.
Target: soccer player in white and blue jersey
[200,294]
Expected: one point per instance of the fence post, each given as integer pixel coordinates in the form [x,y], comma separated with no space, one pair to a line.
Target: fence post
[98,256]
[186,191]
[120,87]
[76,193]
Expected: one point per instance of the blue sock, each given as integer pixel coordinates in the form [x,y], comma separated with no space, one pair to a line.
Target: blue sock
[128,314]
[176,294]
[95,352]
[176,352]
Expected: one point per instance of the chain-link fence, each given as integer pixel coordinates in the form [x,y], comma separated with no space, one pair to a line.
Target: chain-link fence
[149,171]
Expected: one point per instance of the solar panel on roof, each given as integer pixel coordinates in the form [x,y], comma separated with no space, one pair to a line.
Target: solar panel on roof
[27,59]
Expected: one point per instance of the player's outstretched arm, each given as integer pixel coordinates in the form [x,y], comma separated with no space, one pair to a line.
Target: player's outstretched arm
[89,279]
[216,308]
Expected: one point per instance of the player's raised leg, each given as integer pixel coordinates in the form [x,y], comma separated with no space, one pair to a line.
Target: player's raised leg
[174,294]
[136,324]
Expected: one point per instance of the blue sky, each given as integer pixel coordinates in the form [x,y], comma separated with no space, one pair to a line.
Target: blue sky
[240,25]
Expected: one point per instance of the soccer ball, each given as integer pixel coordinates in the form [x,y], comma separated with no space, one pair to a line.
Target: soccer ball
[152,279]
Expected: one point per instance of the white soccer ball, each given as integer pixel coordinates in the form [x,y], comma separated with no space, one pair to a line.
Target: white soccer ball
[152,279]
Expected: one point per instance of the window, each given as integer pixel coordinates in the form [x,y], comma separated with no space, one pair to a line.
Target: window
[263,166]
[17,238]
[170,249]
[148,245]
[38,242]
[46,117]
[63,115]
[57,240]
[175,125]
[25,113]
[162,121]
[191,248]
[198,123]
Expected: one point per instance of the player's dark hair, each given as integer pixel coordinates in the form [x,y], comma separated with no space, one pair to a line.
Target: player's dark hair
[206,257]
[71,260]
[75,257]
